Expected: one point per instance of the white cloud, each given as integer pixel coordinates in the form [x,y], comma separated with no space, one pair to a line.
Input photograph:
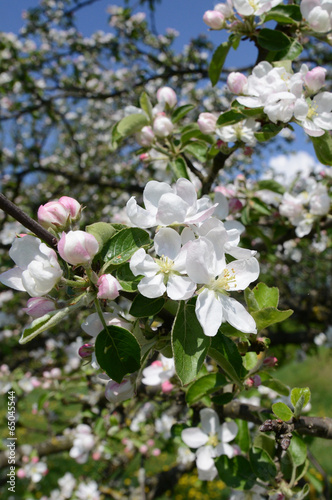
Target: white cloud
[284,168]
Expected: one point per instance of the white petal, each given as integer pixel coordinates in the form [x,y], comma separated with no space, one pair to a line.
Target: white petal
[152,287]
[153,191]
[180,287]
[228,431]
[13,279]
[186,190]
[201,261]
[224,449]
[142,263]
[210,421]
[237,315]
[209,312]
[206,469]
[138,215]
[24,250]
[167,242]
[246,271]
[194,437]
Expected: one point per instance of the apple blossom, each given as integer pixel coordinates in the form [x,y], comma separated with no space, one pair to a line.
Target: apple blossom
[83,443]
[164,274]
[37,271]
[145,137]
[116,393]
[213,305]
[108,287]
[214,19]
[243,131]
[166,96]
[315,116]
[39,306]
[162,126]
[59,214]
[77,247]
[318,13]
[211,440]
[207,123]
[237,82]
[249,8]
[86,351]
[315,79]
[320,202]
[167,205]
[159,371]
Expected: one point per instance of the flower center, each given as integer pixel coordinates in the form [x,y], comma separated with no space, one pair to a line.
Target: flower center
[213,440]
[312,111]
[166,264]
[223,281]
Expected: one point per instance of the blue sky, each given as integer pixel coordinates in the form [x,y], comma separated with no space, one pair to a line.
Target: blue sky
[183,15]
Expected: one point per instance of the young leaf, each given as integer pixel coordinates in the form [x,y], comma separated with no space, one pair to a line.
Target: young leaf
[197,149]
[236,472]
[142,307]
[323,148]
[282,411]
[297,450]
[269,316]
[217,62]
[273,40]
[126,278]
[230,118]
[205,385]
[124,244]
[181,112]
[146,105]
[226,354]
[102,231]
[179,168]
[117,352]
[266,296]
[262,464]
[300,393]
[131,124]
[190,345]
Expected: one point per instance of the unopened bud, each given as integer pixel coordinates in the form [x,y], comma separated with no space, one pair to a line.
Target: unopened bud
[315,79]
[270,361]
[207,123]
[39,306]
[237,82]
[162,126]
[85,351]
[77,247]
[145,137]
[108,287]
[214,19]
[166,95]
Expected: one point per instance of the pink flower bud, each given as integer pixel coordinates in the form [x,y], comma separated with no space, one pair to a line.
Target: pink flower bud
[20,473]
[166,95]
[53,214]
[214,19]
[108,287]
[145,137]
[143,449]
[116,393]
[162,126]
[315,79]
[38,306]
[156,452]
[270,361]
[150,442]
[207,123]
[166,386]
[237,82]
[77,247]
[253,381]
[72,205]
[235,205]
[144,157]
[85,351]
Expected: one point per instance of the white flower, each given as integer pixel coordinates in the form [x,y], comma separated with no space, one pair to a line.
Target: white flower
[211,441]
[318,13]
[164,274]
[37,270]
[320,201]
[254,7]
[159,371]
[213,305]
[243,131]
[88,491]
[83,442]
[315,115]
[165,205]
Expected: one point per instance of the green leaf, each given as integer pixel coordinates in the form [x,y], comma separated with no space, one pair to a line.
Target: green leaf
[218,61]
[266,296]
[297,450]
[142,307]
[274,384]
[288,54]
[102,231]
[205,385]
[179,168]
[284,14]
[259,206]
[251,300]
[195,133]
[181,112]
[49,320]
[131,124]
[271,185]
[250,360]
[243,436]
[190,345]
[270,316]
[226,354]
[268,131]
[125,243]
[300,394]
[282,411]
[236,472]
[146,105]
[266,443]
[230,117]
[273,40]
[223,399]
[323,148]
[117,352]
[262,464]
[126,278]
[197,149]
